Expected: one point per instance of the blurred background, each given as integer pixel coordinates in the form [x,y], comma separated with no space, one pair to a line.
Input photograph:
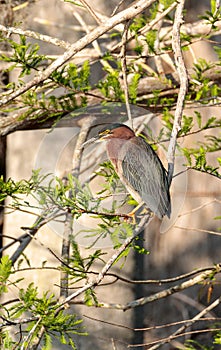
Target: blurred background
[185,243]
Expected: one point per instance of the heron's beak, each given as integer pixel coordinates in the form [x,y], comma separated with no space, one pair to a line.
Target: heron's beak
[90,142]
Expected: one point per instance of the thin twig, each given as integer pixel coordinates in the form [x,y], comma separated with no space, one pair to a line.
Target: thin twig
[167,325]
[28,338]
[161,281]
[68,228]
[94,43]
[191,229]
[164,293]
[26,238]
[35,35]
[65,252]
[145,219]
[168,340]
[117,7]
[200,207]
[182,72]
[132,11]
[157,27]
[193,303]
[123,56]
[91,11]
[188,324]
[147,27]
[217,5]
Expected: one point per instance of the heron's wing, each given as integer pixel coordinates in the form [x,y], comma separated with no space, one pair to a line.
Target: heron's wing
[145,173]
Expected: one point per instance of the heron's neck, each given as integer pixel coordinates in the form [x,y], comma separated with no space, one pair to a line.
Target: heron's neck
[114,150]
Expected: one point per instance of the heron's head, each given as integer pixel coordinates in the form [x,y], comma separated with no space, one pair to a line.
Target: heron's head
[117,131]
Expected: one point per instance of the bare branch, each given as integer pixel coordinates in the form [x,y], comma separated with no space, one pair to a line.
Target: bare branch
[68,228]
[35,35]
[161,281]
[188,324]
[124,71]
[164,293]
[91,11]
[191,229]
[26,238]
[145,219]
[146,85]
[172,341]
[149,26]
[183,77]
[65,252]
[122,16]
[94,43]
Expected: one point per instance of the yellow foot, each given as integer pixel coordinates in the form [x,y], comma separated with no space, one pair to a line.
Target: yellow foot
[132,216]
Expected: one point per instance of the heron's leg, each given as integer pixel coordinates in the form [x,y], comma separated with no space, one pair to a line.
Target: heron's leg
[136,209]
[133,212]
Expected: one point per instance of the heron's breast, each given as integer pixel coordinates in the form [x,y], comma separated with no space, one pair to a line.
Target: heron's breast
[115,152]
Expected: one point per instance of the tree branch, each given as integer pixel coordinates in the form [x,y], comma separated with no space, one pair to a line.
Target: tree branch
[68,227]
[124,71]
[187,324]
[164,293]
[122,16]
[145,219]
[35,35]
[183,77]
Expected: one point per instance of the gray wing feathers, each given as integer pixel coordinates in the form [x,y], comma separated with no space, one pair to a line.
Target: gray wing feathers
[145,173]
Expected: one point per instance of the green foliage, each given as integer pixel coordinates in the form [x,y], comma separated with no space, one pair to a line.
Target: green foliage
[201,88]
[44,312]
[153,10]
[137,248]
[5,272]
[200,67]
[196,159]
[197,156]
[166,3]
[133,87]
[168,119]
[65,90]
[72,77]
[54,194]
[51,196]
[212,16]
[195,345]
[111,180]
[6,340]
[151,37]
[90,298]
[25,56]
[110,87]
[187,124]
[217,337]
[211,122]
[10,188]
[36,104]
[77,266]
[157,100]
[76,3]
[120,233]
[137,24]
[217,49]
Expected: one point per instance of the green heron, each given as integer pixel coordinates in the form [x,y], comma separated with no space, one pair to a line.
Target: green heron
[138,167]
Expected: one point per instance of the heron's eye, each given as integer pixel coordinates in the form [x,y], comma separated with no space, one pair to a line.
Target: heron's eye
[105,132]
